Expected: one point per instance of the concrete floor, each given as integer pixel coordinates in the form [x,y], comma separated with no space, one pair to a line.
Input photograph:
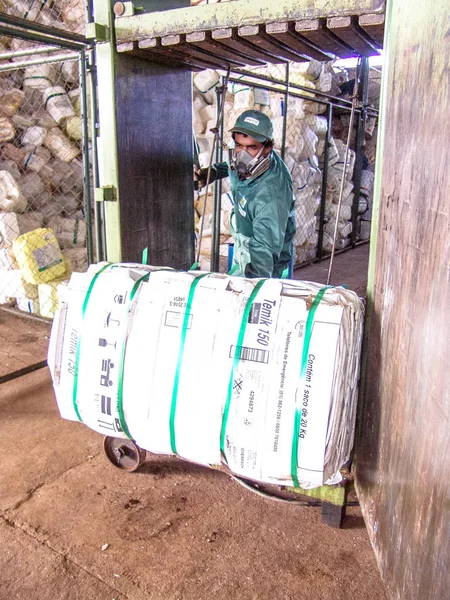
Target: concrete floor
[74,527]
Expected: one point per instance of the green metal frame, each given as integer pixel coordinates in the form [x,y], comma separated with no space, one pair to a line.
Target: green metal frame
[107,141]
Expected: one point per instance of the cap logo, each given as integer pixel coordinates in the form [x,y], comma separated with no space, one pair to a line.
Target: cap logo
[251,120]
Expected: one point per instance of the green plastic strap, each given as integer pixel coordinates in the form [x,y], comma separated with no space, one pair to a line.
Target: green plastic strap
[145,256]
[53,96]
[236,359]
[75,231]
[233,269]
[176,383]
[77,355]
[194,266]
[298,409]
[285,274]
[120,410]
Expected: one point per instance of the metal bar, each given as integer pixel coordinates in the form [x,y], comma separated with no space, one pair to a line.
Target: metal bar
[28,52]
[217,206]
[99,217]
[43,61]
[236,14]
[298,87]
[53,32]
[42,39]
[359,148]
[285,111]
[323,198]
[344,173]
[22,372]
[85,148]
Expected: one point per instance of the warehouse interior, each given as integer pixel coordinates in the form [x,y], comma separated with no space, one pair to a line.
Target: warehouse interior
[106,110]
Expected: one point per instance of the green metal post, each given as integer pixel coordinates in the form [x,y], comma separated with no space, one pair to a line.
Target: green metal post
[107,140]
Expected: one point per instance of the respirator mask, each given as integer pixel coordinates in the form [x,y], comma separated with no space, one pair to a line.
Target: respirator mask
[247,165]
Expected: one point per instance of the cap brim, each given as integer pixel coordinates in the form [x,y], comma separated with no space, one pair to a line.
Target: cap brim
[250,133]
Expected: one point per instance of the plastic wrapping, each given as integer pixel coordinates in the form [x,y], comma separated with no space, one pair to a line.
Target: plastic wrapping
[11,197]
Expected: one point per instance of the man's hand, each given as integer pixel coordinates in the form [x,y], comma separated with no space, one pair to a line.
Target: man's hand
[201,176]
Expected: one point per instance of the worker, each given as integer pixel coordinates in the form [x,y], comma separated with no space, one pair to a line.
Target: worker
[262,220]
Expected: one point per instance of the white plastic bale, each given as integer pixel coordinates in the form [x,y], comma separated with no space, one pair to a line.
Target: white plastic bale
[69,231]
[243,97]
[11,101]
[58,104]
[60,145]
[37,158]
[11,197]
[310,140]
[305,234]
[40,77]
[7,129]
[34,136]
[11,167]
[318,124]
[34,190]
[70,71]
[344,228]
[205,82]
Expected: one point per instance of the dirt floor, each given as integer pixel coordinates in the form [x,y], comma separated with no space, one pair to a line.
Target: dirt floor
[74,527]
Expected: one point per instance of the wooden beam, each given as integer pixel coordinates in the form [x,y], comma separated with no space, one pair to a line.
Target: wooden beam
[348,30]
[229,37]
[316,32]
[256,35]
[235,14]
[204,41]
[373,25]
[285,32]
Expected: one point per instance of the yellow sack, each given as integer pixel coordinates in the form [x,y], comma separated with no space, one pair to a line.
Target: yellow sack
[39,256]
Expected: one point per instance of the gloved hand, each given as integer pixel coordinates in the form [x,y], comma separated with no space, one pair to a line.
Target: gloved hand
[201,176]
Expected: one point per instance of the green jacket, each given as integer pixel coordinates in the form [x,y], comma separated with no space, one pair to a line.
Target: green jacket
[263,220]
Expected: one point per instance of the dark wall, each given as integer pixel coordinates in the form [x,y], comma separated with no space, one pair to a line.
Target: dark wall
[403,448]
[154,132]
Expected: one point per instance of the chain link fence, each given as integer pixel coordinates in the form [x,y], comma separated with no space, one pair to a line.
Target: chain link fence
[311,134]
[44,190]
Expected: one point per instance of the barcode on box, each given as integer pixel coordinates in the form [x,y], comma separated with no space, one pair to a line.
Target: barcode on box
[250,354]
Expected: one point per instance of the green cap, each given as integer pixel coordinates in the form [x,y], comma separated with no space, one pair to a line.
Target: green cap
[254,124]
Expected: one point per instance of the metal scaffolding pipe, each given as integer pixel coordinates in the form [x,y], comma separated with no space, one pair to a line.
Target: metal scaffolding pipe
[52,32]
[27,52]
[43,61]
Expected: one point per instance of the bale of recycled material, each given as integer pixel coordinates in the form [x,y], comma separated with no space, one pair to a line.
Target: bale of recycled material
[11,101]
[40,77]
[39,256]
[77,259]
[11,197]
[205,82]
[68,203]
[7,259]
[11,167]
[34,190]
[70,71]
[74,128]
[60,145]
[14,224]
[49,297]
[58,104]
[7,130]
[277,398]
[37,158]
[70,231]
[11,152]
[34,136]
[13,285]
